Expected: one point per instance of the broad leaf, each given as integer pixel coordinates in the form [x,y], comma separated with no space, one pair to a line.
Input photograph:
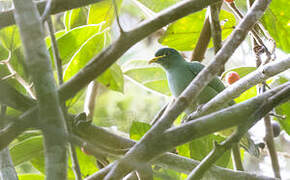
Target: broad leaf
[112,78]
[70,42]
[158,5]
[75,18]
[149,76]
[10,37]
[199,148]
[276,21]
[138,129]
[103,13]
[184,33]
[31,177]
[26,150]
[87,164]
[90,48]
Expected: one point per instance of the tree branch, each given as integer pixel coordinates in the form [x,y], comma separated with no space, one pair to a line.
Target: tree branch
[236,89]
[215,26]
[271,147]
[202,42]
[40,70]
[7,170]
[7,19]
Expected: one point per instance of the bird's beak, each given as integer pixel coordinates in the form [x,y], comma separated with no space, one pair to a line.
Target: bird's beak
[156,59]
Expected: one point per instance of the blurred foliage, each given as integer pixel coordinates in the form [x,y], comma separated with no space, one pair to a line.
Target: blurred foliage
[276,22]
[150,76]
[184,33]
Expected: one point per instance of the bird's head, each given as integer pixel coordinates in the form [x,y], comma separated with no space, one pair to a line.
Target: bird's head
[166,57]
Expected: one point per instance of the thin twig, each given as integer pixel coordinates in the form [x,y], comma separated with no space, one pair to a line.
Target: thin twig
[90,100]
[271,147]
[236,154]
[15,75]
[269,138]
[117,17]
[202,42]
[216,31]
[55,51]
[253,31]
[47,10]
[215,26]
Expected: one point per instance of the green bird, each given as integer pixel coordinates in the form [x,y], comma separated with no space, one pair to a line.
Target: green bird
[180,73]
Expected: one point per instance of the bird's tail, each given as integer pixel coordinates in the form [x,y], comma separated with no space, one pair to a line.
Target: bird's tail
[249,145]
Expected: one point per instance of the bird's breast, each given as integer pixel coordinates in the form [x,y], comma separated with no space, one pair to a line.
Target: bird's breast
[178,81]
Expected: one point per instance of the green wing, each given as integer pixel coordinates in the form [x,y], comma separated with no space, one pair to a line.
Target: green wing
[216,84]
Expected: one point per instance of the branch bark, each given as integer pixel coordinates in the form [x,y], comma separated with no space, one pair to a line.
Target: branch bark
[40,70]
[7,19]
[236,89]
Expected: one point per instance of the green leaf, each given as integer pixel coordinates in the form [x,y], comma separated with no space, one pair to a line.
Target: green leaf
[57,35]
[199,148]
[149,76]
[283,109]
[184,33]
[26,150]
[38,163]
[250,93]
[75,18]
[184,150]
[87,51]
[138,129]
[10,37]
[112,78]
[158,5]
[87,164]
[103,13]
[73,40]
[276,21]
[31,177]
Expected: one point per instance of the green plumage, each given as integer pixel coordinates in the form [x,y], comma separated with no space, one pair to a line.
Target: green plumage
[180,73]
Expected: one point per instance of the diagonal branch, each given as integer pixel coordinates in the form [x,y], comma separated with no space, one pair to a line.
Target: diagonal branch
[7,19]
[236,89]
